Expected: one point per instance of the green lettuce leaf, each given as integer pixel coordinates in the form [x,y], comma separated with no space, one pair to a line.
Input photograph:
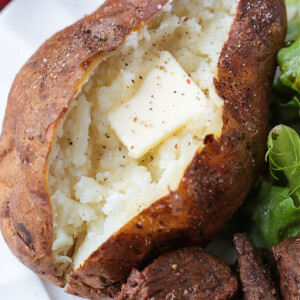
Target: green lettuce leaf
[292,9]
[287,113]
[293,32]
[285,93]
[272,210]
[275,215]
[284,157]
[293,107]
[290,110]
[276,209]
[289,62]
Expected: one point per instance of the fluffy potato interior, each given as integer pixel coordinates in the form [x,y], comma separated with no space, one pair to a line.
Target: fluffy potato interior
[95,187]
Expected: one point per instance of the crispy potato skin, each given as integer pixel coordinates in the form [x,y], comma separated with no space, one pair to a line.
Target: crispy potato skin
[214,184]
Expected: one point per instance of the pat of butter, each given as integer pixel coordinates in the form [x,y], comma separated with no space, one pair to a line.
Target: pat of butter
[165,102]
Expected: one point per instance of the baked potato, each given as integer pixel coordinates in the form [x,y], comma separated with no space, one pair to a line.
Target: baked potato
[136,130]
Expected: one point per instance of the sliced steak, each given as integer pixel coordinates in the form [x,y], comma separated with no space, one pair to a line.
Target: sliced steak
[257,270]
[287,254]
[189,273]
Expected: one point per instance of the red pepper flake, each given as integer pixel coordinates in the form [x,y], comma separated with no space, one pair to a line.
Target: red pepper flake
[176,146]
[135,119]
[188,81]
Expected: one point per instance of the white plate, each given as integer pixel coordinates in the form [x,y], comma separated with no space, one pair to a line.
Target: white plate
[24,26]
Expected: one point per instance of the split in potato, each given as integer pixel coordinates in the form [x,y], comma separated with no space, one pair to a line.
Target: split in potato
[95,185]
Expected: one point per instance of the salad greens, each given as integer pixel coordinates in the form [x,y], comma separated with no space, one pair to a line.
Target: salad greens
[292,9]
[284,156]
[275,215]
[289,61]
[272,210]
[276,210]
[293,31]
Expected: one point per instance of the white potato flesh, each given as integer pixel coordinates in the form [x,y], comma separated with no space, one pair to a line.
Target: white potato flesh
[95,186]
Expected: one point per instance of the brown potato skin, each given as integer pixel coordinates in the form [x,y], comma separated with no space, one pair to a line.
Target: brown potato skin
[214,184]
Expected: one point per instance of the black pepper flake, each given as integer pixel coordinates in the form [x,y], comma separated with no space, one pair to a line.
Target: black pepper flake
[141,77]
[139,224]
[151,158]
[138,8]
[208,139]
[107,135]
[132,81]
[70,143]
[126,64]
